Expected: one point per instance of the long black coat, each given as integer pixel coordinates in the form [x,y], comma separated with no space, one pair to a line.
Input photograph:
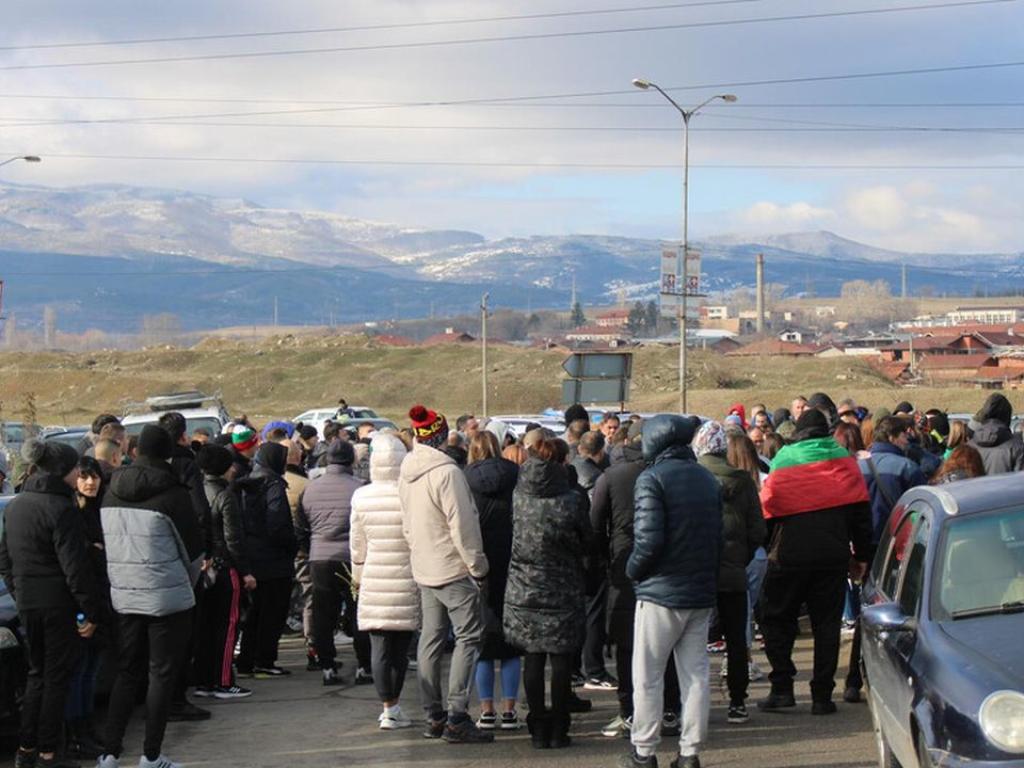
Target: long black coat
[611,514]
[492,482]
[545,602]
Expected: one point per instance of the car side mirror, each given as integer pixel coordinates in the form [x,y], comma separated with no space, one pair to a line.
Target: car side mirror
[887,617]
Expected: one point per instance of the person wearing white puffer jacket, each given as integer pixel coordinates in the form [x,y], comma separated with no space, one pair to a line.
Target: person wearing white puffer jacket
[389,598]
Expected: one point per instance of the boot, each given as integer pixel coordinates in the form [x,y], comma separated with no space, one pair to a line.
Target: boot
[80,743]
[539,726]
[560,731]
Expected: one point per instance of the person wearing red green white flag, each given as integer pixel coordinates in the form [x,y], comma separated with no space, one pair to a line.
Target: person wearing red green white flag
[818,511]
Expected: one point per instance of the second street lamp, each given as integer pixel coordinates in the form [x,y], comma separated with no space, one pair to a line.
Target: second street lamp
[681,263]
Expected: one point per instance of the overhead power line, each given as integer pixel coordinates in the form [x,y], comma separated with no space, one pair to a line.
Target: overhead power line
[603,165]
[504,38]
[377,27]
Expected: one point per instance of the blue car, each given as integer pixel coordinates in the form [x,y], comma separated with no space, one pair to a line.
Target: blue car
[943,633]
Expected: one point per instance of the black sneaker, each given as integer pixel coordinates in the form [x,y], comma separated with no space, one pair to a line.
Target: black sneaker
[738,713]
[603,682]
[363,677]
[690,761]
[776,701]
[487,721]
[435,726]
[231,692]
[632,760]
[576,704]
[186,711]
[331,677]
[56,762]
[670,726]
[578,680]
[852,696]
[465,732]
[823,707]
[243,671]
[202,692]
[271,671]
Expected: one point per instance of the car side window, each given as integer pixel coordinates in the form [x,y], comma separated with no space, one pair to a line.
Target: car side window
[897,552]
[913,574]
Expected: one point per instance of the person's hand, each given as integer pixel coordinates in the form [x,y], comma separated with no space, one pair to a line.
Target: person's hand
[858,569]
[87,630]
[249,582]
[206,565]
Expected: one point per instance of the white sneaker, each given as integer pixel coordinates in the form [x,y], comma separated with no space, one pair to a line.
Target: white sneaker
[394,718]
[107,761]
[161,762]
[754,672]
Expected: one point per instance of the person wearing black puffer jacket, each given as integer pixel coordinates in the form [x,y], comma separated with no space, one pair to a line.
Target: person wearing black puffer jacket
[677,527]
[270,548]
[45,563]
[492,480]
[1001,450]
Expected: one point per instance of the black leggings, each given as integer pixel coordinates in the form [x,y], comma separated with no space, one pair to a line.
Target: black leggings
[561,682]
[390,652]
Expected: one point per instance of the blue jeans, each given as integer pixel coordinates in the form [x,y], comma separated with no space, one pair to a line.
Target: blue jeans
[510,669]
[756,569]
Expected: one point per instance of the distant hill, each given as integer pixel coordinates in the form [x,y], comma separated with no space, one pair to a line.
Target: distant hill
[104,255]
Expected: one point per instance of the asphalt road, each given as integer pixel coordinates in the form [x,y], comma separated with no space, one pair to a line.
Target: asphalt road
[294,721]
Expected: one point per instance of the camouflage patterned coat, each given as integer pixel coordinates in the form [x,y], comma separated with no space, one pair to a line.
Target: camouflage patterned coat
[545,603]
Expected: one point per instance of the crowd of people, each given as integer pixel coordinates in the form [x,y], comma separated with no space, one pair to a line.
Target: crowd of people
[526,558]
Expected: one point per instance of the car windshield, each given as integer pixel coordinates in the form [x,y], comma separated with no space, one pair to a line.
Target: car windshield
[210,423]
[982,565]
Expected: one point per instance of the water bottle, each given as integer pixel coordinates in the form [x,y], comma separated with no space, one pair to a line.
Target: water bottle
[80,620]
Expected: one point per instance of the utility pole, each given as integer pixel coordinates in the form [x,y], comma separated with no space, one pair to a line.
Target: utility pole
[903,285]
[275,311]
[483,352]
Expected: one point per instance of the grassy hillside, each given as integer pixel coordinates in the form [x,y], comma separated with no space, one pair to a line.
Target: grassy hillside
[282,376]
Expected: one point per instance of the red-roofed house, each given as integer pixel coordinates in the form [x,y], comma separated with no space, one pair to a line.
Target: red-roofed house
[390,340]
[613,318]
[771,347]
[450,336]
[937,368]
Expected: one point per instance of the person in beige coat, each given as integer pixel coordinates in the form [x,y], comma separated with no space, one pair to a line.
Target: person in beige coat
[440,522]
[389,600]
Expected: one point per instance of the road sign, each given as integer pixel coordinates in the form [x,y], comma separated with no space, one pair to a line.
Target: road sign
[599,365]
[595,391]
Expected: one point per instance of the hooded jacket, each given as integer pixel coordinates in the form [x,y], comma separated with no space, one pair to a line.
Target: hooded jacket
[270,544]
[44,555]
[545,600]
[1001,450]
[227,531]
[896,474]
[743,527]
[154,544]
[677,521]
[492,483]
[439,519]
[324,516]
[389,599]
[587,472]
[183,463]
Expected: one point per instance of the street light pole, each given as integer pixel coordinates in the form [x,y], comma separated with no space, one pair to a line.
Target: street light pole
[26,158]
[483,351]
[682,266]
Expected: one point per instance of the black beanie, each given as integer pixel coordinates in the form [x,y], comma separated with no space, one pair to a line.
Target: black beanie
[810,425]
[307,432]
[51,457]
[156,443]
[273,456]
[904,407]
[214,459]
[575,413]
[341,452]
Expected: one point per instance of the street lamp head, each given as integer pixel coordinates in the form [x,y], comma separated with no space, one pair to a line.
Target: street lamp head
[32,159]
[730,97]
[642,84]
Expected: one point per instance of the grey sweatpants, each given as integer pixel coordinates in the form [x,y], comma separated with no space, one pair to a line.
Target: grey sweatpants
[459,603]
[657,633]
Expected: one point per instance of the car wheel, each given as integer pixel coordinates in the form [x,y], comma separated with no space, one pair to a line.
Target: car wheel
[923,761]
[886,759]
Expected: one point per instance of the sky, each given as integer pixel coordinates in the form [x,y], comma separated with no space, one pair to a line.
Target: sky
[519,118]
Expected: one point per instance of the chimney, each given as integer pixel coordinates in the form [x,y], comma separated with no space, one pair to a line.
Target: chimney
[760,293]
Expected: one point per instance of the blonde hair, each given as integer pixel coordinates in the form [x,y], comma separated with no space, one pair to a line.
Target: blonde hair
[484,445]
[516,453]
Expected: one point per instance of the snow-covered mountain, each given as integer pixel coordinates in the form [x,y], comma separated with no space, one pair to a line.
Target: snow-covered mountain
[144,249]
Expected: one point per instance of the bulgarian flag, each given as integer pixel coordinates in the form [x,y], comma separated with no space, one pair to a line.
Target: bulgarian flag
[810,475]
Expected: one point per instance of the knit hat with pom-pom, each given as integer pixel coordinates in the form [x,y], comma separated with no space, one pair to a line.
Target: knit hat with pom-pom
[431,428]
[49,456]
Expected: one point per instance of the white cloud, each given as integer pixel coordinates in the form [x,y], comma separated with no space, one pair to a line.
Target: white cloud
[879,209]
[768,217]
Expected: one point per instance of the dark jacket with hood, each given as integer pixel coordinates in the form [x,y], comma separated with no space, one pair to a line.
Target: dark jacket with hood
[896,474]
[545,605]
[492,482]
[1001,450]
[611,515]
[587,472]
[183,462]
[44,555]
[677,520]
[227,531]
[270,544]
[743,526]
[154,544]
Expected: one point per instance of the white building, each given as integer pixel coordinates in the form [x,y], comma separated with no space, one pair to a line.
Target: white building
[986,315]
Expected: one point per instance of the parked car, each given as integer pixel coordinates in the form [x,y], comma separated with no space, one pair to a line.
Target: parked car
[943,627]
[518,422]
[199,410]
[13,654]
[318,417]
[352,427]
[68,435]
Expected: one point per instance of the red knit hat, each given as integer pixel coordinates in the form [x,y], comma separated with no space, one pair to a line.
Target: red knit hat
[430,427]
